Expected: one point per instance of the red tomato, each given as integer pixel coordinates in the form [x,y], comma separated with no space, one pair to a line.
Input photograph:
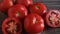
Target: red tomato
[34,23]
[5,4]
[11,26]
[38,8]
[53,18]
[34,33]
[25,2]
[17,11]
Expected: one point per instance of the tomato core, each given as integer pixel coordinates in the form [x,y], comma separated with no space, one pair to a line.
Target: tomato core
[54,19]
[13,28]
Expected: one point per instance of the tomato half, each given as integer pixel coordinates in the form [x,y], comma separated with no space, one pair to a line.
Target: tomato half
[11,26]
[25,2]
[18,11]
[33,23]
[53,18]
[5,4]
[38,8]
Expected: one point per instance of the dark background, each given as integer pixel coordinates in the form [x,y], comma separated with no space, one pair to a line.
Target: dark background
[50,4]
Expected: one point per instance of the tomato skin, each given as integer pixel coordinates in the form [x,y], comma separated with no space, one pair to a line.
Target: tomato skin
[34,33]
[47,20]
[16,22]
[18,11]
[6,4]
[30,26]
[38,8]
[25,2]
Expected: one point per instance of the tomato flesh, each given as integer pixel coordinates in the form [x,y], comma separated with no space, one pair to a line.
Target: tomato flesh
[53,18]
[11,26]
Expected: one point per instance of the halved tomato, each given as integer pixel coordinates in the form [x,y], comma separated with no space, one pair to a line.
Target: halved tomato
[52,18]
[11,26]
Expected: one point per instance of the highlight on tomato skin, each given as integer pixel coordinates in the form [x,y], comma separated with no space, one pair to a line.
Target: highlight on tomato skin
[52,18]
[18,11]
[5,5]
[33,23]
[38,8]
[11,26]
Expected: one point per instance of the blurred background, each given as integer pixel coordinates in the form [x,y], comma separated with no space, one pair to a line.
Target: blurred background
[51,4]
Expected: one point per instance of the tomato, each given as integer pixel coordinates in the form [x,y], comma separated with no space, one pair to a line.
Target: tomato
[5,4]
[38,8]
[11,26]
[18,11]
[33,23]
[53,18]
[34,33]
[25,2]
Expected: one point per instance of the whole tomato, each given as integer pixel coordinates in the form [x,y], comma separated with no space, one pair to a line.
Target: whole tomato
[52,18]
[34,33]
[5,4]
[25,2]
[11,26]
[38,8]
[33,23]
[18,11]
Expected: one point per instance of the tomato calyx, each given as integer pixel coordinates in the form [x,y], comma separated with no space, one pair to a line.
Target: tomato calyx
[17,14]
[54,19]
[12,27]
[35,21]
[37,7]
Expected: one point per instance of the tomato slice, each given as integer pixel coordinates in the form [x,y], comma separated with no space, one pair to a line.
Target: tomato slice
[53,18]
[11,26]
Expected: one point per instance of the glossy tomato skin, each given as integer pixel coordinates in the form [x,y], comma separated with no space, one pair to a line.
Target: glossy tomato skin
[25,2]
[5,25]
[5,4]
[34,23]
[18,11]
[47,18]
[38,8]
[34,33]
